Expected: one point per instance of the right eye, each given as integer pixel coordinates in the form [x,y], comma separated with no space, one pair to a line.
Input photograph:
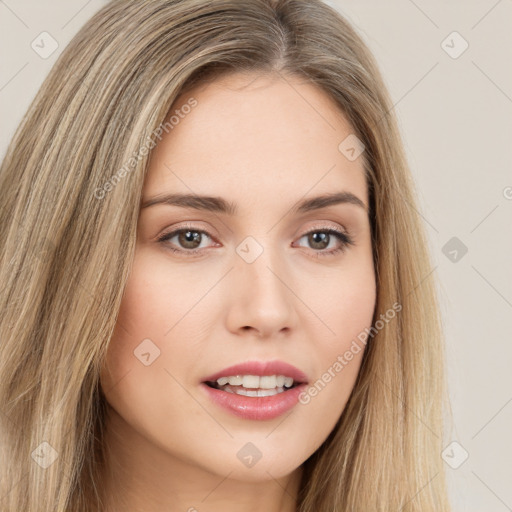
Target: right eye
[188,240]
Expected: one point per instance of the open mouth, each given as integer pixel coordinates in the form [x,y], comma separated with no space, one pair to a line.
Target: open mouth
[256,397]
[253,385]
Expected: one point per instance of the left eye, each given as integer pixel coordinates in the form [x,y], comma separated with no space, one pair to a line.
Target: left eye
[321,238]
[189,240]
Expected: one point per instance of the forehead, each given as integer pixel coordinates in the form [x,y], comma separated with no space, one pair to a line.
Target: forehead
[255,135]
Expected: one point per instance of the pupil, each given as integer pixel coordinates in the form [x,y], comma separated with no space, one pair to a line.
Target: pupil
[323,239]
[190,237]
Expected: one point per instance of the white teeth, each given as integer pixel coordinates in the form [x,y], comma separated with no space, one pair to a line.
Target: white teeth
[288,382]
[267,392]
[251,381]
[268,382]
[256,382]
[253,392]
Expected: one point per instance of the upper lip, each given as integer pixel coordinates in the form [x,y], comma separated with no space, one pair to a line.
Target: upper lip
[260,368]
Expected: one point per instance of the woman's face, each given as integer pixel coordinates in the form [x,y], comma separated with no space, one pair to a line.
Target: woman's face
[252,278]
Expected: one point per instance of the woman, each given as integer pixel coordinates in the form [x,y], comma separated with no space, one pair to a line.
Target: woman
[215,288]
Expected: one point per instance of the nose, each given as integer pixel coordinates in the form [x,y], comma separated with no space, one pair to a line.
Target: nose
[261,299]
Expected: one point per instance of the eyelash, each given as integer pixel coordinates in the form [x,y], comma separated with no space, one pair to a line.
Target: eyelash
[344,239]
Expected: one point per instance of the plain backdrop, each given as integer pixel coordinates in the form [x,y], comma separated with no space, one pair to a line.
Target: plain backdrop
[447,66]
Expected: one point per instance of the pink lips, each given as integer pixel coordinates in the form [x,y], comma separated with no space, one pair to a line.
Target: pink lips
[261,407]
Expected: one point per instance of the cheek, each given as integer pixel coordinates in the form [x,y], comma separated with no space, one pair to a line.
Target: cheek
[345,305]
[343,300]
[164,311]
[158,303]
[153,307]
[148,356]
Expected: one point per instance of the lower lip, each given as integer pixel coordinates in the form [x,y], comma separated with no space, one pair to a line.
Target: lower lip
[258,407]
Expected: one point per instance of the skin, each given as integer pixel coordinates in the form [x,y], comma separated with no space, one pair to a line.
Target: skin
[264,143]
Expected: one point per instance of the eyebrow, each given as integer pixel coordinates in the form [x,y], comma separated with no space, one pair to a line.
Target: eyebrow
[221,205]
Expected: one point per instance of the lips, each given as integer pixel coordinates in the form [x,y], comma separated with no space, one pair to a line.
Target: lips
[261,404]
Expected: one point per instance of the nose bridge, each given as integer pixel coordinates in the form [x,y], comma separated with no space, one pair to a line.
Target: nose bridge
[260,296]
[261,274]
[259,264]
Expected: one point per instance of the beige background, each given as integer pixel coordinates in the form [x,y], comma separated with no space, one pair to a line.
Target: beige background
[455,115]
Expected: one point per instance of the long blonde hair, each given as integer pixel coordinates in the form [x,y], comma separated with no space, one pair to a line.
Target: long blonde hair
[67,249]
